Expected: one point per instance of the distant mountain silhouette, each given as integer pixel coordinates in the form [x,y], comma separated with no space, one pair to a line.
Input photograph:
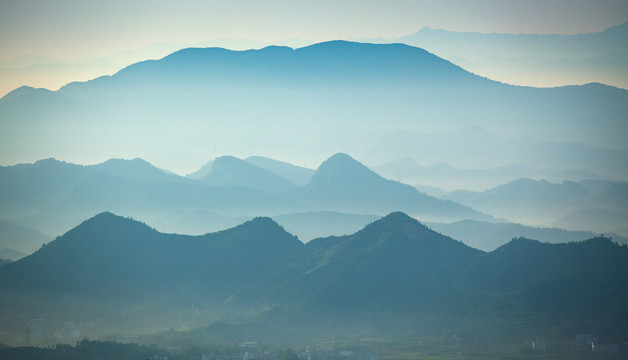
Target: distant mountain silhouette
[343,184]
[232,191]
[523,191]
[344,173]
[231,171]
[444,158]
[11,255]
[488,236]
[20,238]
[602,219]
[202,172]
[296,174]
[602,204]
[325,94]
[566,59]
[135,169]
[26,188]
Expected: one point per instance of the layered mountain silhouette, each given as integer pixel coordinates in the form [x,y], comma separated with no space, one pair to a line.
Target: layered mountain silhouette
[296,174]
[444,158]
[488,236]
[349,186]
[303,101]
[541,59]
[233,188]
[107,256]
[18,240]
[594,205]
[395,265]
[231,171]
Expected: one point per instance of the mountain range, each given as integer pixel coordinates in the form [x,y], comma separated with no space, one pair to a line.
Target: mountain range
[51,195]
[488,236]
[593,205]
[446,162]
[339,198]
[327,97]
[394,274]
[548,59]
[544,60]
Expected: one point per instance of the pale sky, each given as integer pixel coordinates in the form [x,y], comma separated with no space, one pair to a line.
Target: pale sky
[71,29]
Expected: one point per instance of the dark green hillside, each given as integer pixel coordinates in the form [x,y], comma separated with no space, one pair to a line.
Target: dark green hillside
[581,286]
[393,276]
[112,260]
[393,266]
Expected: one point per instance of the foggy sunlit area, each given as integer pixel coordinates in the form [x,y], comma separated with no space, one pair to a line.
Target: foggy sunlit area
[314,180]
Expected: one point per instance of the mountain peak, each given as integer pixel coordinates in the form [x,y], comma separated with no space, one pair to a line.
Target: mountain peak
[262,232]
[343,169]
[107,224]
[22,90]
[232,171]
[400,217]
[263,221]
[106,218]
[135,169]
[401,224]
[49,161]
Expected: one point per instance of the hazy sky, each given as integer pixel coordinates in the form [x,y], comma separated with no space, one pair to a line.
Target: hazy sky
[70,29]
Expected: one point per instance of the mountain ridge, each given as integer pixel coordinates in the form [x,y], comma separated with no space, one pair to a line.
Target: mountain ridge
[397,265]
[363,84]
[237,189]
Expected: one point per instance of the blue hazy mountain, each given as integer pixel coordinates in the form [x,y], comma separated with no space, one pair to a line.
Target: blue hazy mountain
[493,161]
[231,171]
[20,239]
[305,102]
[11,255]
[232,191]
[533,58]
[296,174]
[393,269]
[343,195]
[488,236]
[26,189]
[343,184]
[594,205]
[134,169]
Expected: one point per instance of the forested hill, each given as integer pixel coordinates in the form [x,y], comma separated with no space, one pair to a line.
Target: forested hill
[395,269]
